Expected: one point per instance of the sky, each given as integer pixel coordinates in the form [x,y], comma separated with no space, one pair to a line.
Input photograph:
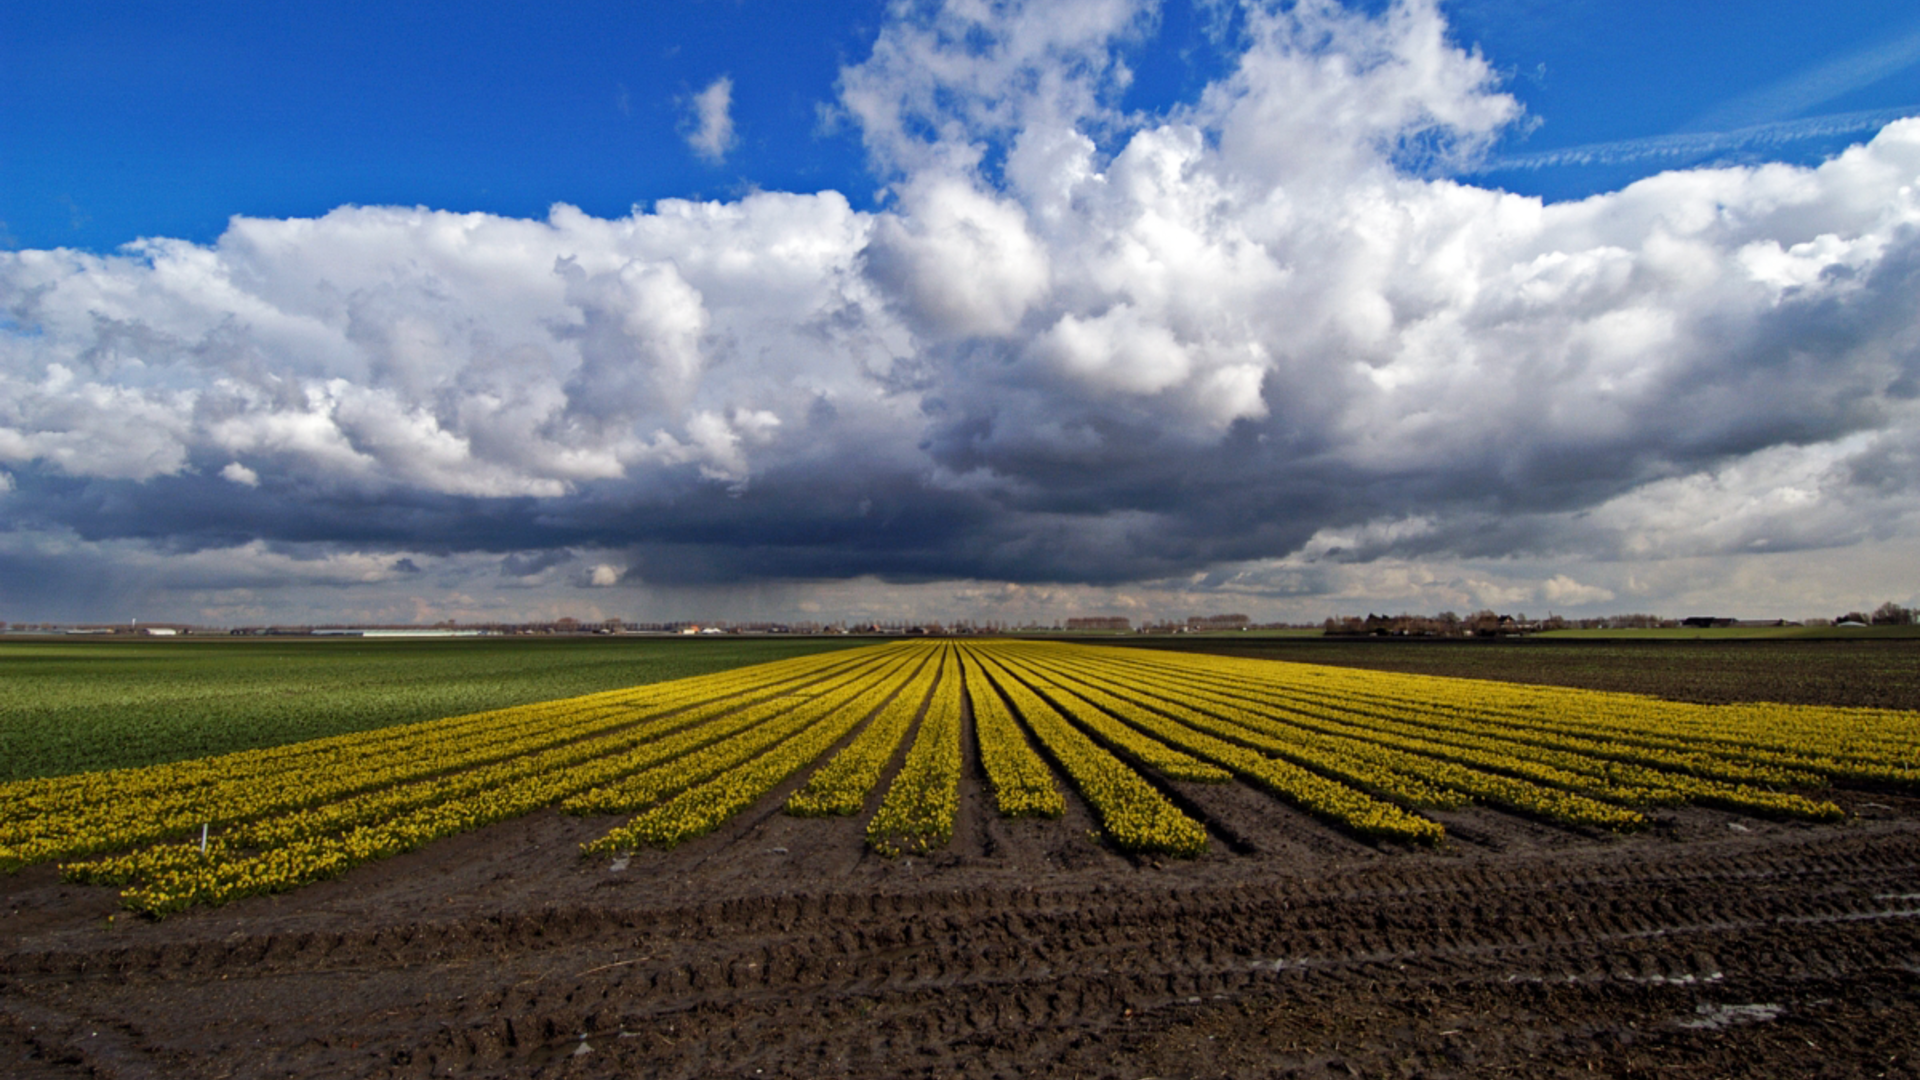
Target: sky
[974,309]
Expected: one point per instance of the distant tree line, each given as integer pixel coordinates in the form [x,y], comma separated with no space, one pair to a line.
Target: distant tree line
[1488,623]
[1887,614]
[1483,623]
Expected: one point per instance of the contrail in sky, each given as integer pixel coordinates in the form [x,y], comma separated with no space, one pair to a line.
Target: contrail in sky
[1692,146]
[1763,119]
[1811,88]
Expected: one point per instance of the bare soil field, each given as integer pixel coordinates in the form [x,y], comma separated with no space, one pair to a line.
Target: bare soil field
[1879,673]
[1712,945]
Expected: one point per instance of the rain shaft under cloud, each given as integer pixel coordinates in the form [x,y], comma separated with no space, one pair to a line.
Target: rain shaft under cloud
[1073,345]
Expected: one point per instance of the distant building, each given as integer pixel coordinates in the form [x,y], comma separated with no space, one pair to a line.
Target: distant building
[1100,622]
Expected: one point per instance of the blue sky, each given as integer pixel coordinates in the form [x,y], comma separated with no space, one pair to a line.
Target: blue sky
[130,120]
[986,310]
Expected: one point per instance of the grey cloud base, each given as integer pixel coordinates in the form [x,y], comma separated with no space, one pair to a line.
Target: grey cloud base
[1259,331]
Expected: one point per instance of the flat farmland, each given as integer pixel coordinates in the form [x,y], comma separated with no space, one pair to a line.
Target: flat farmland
[1865,672]
[77,703]
[990,858]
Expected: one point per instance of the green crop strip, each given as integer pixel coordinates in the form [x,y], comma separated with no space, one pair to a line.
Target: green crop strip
[80,705]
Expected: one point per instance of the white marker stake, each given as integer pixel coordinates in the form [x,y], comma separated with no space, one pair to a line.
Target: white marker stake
[203,839]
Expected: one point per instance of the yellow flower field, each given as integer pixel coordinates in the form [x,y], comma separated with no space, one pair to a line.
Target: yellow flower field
[1124,731]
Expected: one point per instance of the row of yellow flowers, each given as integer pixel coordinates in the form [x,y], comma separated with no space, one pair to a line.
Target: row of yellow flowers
[168,877]
[1599,778]
[1868,745]
[1361,749]
[1611,778]
[1528,727]
[163,785]
[121,817]
[1132,812]
[1022,784]
[1128,742]
[754,770]
[1192,731]
[1282,731]
[76,816]
[680,764]
[923,801]
[1353,764]
[624,751]
[841,786]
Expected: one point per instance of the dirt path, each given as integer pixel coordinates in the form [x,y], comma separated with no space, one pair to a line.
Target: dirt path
[1713,945]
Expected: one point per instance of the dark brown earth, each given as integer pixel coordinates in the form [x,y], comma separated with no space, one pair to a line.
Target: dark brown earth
[1711,945]
[1880,673]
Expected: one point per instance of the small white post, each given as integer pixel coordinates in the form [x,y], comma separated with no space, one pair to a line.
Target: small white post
[203,838]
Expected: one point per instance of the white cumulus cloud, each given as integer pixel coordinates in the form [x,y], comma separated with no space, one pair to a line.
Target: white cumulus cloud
[710,132]
[1072,344]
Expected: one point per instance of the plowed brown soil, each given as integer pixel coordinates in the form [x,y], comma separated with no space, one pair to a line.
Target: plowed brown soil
[1873,673]
[1712,945]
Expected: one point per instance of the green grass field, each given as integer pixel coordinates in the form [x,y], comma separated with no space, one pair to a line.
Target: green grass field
[72,705]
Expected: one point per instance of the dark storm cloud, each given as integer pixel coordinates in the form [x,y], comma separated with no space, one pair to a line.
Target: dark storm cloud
[524,564]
